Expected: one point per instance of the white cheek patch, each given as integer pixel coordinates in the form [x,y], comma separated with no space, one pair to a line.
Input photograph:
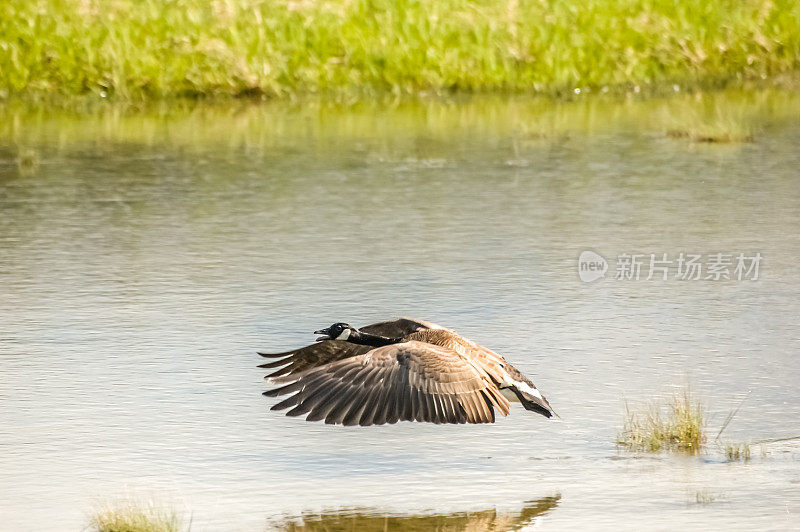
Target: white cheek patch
[345,335]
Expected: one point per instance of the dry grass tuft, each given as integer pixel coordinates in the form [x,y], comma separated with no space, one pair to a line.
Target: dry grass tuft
[134,515]
[737,451]
[679,426]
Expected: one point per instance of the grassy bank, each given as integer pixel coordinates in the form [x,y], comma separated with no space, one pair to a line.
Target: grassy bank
[145,49]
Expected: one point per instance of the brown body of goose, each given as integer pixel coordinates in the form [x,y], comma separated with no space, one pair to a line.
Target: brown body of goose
[398,370]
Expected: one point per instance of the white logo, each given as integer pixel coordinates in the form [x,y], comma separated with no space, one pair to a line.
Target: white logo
[591,266]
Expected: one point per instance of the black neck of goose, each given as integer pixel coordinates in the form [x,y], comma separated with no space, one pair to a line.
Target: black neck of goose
[358,337]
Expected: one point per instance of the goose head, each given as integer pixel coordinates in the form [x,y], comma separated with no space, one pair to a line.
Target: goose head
[337,331]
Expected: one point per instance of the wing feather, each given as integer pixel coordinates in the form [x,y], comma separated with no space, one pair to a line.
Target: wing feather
[315,397]
[321,353]
[342,406]
[422,405]
[369,409]
[433,408]
[466,400]
[399,327]
[354,414]
[312,356]
[327,403]
[382,405]
[407,381]
[460,415]
[276,364]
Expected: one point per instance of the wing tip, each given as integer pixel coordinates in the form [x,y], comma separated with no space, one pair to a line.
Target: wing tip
[272,355]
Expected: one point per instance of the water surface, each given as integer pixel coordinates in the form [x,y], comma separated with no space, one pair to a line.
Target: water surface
[147,255]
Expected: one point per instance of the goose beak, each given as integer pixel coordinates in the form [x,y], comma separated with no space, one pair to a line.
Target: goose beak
[325,333]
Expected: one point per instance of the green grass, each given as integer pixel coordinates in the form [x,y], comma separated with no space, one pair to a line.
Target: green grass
[679,425]
[737,451]
[136,516]
[137,50]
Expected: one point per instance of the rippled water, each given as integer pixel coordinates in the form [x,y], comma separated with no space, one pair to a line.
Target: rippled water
[147,255]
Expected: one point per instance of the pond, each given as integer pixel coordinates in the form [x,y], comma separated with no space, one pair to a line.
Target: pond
[147,254]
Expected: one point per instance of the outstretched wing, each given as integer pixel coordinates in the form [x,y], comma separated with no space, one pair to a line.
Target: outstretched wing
[320,353]
[399,327]
[410,381]
[312,356]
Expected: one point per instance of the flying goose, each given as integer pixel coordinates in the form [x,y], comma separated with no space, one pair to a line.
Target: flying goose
[398,370]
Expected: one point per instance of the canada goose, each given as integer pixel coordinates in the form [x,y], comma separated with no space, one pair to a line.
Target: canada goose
[398,370]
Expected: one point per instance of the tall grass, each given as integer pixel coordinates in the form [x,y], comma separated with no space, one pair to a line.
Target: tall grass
[133,515]
[680,425]
[737,451]
[143,49]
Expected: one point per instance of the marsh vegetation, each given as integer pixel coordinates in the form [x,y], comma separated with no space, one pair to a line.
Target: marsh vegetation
[136,515]
[681,424]
[737,451]
[144,49]
[678,425]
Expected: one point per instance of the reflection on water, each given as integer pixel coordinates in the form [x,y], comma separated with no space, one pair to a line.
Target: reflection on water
[369,521]
[420,134]
[146,257]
